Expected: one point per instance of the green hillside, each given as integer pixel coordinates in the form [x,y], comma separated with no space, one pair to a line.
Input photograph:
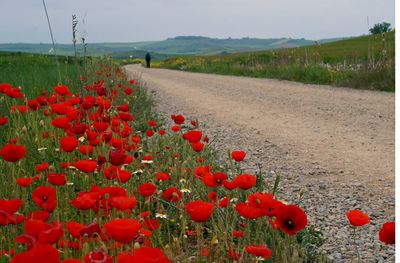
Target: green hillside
[179,45]
[365,62]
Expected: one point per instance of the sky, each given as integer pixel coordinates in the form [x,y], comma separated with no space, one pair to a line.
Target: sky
[143,20]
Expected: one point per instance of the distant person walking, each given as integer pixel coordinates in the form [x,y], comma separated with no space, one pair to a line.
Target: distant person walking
[148,59]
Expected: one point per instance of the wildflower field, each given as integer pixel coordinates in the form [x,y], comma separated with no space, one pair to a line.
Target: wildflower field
[91,174]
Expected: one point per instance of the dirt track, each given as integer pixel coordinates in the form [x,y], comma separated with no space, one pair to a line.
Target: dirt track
[344,130]
[342,139]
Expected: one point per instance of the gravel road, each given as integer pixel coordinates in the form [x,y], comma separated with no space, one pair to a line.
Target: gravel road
[335,144]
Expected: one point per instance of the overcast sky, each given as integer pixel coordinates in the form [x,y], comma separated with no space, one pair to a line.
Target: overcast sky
[140,20]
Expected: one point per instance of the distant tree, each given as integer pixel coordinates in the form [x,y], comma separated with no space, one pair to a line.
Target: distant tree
[380,28]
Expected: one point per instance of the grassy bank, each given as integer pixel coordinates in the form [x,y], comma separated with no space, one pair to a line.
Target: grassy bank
[35,72]
[364,63]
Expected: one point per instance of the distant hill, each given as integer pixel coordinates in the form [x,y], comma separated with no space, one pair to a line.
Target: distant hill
[180,45]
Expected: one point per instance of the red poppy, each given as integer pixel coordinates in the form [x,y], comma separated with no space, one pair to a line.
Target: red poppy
[161,176]
[197,146]
[172,195]
[175,128]
[57,179]
[178,119]
[86,149]
[144,255]
[100,126]
[7,210]
[224,202]
[149,133]
[123,202]
[41,167]
[291,219]
[245,181]
[122,230]
[86,166]
[12,152]
[248,211]
[199,211]
[238,155]
[387,234]
[26,181]
[98,256]
[60,109]
[85,201]
[357,218]
[123,107]
[45,198]
[68,144]
[41,254]
[193,136]
[3,120]
[214,180]
[60,122]
[147,189]
[259,251]
[125,116]
[117,158]
[213,196]
[62,90]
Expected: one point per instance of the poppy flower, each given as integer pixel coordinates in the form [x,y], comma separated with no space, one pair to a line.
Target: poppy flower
[197,146]
[224,202]
[57,179]
[291,219]
[68,144]
[149,133]
[259,251]
[62,90]
[193,136]
[213,196]
[12,152]
[60,122]
[123,107]
[245,181]
[26,181]
[213,180]
[160,176]
[387,234]
[98,256]
[3,120]
[144,255]
[7,210]
[238,155]
[41,167]
[123,202]
[178,119]
[86,149]
[357,218]
[123,230]
[248,211]
[85,201]
[86,166]
[199,211]
[172,195]
[175,128]
[41,253]
[45,198]
[116,158]
[147,189]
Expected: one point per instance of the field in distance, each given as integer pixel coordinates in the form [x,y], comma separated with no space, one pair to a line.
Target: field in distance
[365,62]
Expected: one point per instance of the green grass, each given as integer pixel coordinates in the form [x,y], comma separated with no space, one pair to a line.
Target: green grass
[36,72]
[365,62]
